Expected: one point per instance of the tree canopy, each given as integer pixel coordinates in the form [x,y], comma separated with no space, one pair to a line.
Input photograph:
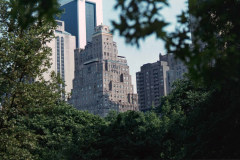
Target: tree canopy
[206,39]
[198,119]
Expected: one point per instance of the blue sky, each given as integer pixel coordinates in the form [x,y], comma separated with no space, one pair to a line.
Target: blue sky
[151,47]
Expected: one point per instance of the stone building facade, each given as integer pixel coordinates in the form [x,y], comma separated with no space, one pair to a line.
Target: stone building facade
[176,71]
[102,81]
[152,83]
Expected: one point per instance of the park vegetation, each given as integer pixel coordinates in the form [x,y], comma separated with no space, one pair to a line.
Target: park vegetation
[199,119]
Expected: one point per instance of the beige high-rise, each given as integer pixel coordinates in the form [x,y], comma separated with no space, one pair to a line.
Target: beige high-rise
[102,81]
[62,58]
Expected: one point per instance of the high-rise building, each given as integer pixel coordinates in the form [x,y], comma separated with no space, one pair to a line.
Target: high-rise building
[102,81]
[81,17]
[176,71]
[62,58]
[151,83]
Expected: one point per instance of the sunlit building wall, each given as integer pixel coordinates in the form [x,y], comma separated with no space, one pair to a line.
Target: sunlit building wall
[62,58]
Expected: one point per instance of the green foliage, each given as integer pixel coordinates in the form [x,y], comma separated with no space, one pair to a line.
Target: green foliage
[176,111]
[197,120]
[65,133]
[60,132]
[211,52]
[139,19]
[206,39]
[28,12]
[214,126]
[186,95]
[131,135]
[199,125]
[24,56]
[16,141]
[213,57]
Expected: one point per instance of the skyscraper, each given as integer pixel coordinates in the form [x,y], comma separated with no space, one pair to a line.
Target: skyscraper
[151,83]
[81,17]
[102,81]
[62,58]
[176,71]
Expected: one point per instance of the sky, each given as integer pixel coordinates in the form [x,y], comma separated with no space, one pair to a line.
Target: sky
[150,48]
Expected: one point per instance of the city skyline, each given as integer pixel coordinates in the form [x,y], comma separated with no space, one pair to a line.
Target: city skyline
[150,48]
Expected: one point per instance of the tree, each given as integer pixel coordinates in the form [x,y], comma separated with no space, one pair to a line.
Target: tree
[187,95]
[27,12]
[207,41]
[216,30]
[60,132]
[140,18]
[177,112]
[131,135]
[24,56]
[197,120]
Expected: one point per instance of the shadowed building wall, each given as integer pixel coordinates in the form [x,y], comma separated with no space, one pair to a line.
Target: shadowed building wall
[152,83]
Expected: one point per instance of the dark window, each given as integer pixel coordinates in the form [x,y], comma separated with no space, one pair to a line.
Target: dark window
[59,23]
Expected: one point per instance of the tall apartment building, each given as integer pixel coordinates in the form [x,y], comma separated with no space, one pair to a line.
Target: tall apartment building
[102,81]
[152,83]
[81,17]
[62,58]
[176,71]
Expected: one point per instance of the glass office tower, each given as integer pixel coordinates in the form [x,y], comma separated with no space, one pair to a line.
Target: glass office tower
[90,20]
[81,17]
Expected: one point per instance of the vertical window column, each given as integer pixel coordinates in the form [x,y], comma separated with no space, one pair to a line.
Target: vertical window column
[62,65]
[58,55]
[62,59]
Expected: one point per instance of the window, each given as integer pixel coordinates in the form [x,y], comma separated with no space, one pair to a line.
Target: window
[59,23]
[89,69]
